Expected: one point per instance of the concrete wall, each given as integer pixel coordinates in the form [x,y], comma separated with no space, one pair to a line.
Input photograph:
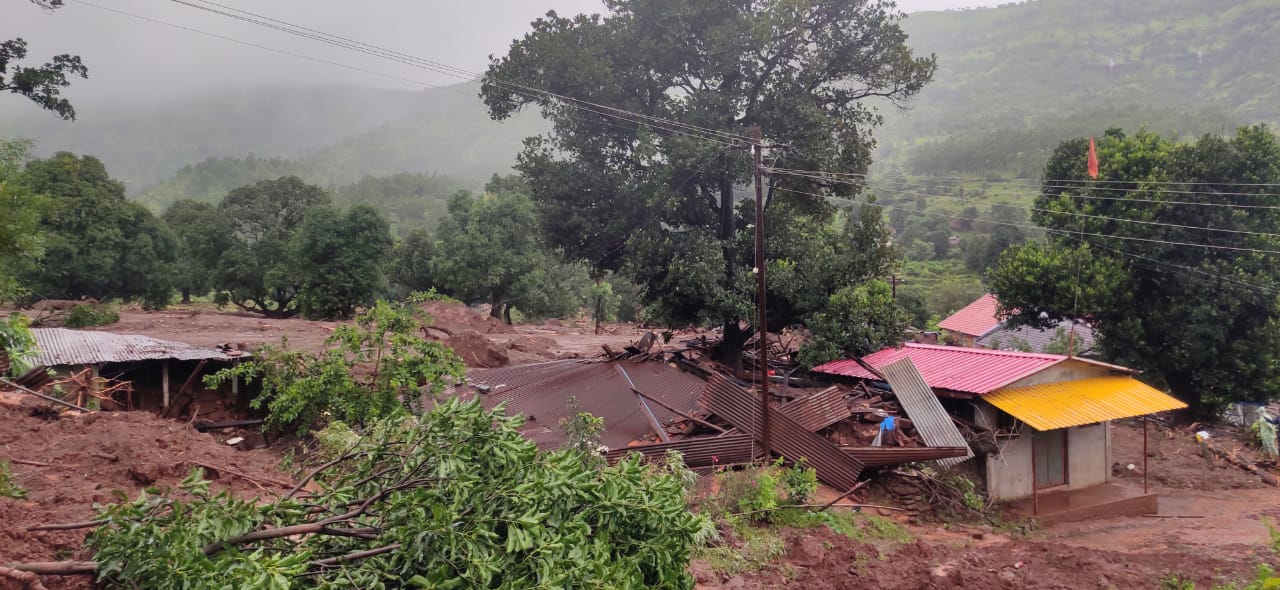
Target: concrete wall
[1088,461]
[1088,455]
[1009,471]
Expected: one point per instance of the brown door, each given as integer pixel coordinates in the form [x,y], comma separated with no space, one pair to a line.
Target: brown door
[1050,448]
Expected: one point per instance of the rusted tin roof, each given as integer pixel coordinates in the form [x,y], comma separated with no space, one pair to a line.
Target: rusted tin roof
[921,405]
[788,438]
[885,456]
[62,347]
[819,410]
[702,451]
[968,370]
[541,393]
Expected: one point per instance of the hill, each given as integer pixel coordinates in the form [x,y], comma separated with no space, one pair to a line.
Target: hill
[1015,80]
[200,148]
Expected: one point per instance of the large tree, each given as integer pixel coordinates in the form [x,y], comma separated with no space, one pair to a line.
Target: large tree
[98,244]
[488,246]
[259,272]
[616,191]
[203,235]
[1131,253]
[341,258]
[21,242]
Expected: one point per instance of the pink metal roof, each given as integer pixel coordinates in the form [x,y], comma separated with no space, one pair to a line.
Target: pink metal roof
[974,319]
[969,370]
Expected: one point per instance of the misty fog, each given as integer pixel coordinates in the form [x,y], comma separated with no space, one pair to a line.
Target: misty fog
[132,59]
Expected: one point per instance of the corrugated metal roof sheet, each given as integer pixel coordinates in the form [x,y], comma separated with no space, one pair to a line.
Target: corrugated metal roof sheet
[974,319]
[1007,338]
[541,391]
[883,456]
[1051,406]
[819,410]
[924,410]
[969,370]
[703,451]
[61,347]
[741,408]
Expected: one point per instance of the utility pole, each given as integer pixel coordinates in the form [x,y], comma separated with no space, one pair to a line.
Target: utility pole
[763,318]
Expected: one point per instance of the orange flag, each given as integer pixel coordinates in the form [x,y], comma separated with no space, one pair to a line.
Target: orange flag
[1093,159]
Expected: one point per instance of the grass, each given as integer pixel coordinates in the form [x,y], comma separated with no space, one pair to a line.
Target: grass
[758,546]
[9,488]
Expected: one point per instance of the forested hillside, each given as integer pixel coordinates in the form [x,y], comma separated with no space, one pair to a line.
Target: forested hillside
[1014,80]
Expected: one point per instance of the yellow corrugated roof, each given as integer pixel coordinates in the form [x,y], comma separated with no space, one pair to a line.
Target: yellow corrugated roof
[1051,406]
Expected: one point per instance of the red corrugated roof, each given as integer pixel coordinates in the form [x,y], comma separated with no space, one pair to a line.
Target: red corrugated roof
[975,319]
[969,370]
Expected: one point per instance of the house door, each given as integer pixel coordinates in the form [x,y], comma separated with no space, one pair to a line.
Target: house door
[1050,448]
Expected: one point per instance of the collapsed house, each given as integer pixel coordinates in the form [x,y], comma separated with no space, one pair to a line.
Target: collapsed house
[127,371]
[667,403]
[1046,416]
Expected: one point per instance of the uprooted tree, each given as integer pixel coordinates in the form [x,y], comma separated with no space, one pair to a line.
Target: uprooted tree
[457,498]
[649,199]
[450,497]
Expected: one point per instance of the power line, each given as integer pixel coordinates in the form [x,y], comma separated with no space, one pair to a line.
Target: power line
[456,71]
[1038,181]
[251,44]
[834,176]
[1052,230]
[437,67]
[1071,213]
[449,89]
[1076,235]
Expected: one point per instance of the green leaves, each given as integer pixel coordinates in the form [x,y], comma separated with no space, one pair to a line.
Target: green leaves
[461,496]
[44,84]
[1147,277]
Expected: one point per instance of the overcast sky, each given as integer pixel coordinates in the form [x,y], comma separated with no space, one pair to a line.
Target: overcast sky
[134,59]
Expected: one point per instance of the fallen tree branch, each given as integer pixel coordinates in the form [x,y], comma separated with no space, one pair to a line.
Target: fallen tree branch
[31,463]
[58,568]
[28,580]
[68,526]
[241,474]
[332,561]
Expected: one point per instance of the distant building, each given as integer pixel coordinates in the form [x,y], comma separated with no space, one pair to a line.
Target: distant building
[972,322]
[979,325]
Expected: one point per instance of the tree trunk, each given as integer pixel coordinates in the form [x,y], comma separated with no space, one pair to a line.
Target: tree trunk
[726,227]
[496,301]
[1183,388]
[599,305]
[186,295]
[730,351]
[506,313]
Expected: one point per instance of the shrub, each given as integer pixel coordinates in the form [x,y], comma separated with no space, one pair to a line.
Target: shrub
[90,315]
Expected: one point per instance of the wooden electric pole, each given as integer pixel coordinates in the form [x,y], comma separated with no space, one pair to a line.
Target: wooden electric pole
[763,318]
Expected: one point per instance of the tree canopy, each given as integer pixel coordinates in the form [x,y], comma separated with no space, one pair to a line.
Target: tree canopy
[21,242]
[341,258]
[41,84]
[614,192]
[98,244]
[1169,255]
[202,236]
[258,272]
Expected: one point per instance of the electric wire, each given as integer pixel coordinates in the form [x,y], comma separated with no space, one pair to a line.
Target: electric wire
[1055,212]
[1076,235]
[668,125]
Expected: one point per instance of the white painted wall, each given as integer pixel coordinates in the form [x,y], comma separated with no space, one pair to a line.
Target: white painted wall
[1088,461]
